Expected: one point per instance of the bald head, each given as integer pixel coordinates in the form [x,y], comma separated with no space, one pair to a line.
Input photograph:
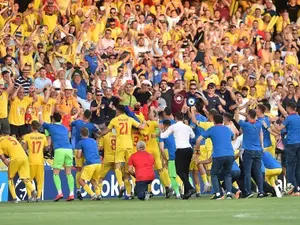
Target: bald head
[141,146]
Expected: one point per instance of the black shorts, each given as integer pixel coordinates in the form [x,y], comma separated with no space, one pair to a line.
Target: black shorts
[18,131]
[4,123]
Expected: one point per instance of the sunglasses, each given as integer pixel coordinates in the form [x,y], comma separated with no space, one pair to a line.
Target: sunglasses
[99,95]
[193,89]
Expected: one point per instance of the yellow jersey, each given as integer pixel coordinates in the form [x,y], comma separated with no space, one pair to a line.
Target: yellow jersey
[36,143]
[35,108]
[123,125]
[12,148]
[150,138]
[48,109]
[206,126]
[108,143]
[18,109]
[3,105]
[213,78]
[136,137]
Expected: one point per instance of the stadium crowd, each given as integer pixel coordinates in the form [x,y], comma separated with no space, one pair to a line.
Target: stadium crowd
[128,70]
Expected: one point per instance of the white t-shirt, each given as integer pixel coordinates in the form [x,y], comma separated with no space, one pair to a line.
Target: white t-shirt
[57,83]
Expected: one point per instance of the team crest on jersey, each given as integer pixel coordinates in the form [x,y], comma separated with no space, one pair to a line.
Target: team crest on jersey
[178,99]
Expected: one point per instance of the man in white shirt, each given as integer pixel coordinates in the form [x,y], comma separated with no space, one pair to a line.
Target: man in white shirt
[184,152]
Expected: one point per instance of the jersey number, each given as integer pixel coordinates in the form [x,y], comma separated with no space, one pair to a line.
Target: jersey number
[13,141]
[135,140]
[113,144]
[123,128]
[36,147]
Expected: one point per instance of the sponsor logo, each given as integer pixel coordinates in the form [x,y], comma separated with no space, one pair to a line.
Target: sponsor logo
[3,187]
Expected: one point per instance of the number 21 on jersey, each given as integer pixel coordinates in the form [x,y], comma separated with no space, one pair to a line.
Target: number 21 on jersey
[123,128]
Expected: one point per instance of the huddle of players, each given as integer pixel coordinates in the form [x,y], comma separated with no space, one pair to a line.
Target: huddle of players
[117,143]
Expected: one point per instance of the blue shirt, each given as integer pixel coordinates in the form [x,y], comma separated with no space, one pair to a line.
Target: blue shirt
[78,124]
[157,74]
[40,83]
[81,89]
[90,151]
[267,137]
[251,137]
[292,124]
[59,135]
[169,144]
[269,161]
[198,130]
[235,167]
[93,63]
[221,137]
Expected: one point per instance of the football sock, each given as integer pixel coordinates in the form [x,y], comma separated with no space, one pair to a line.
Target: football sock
[29,187]
[204,178]
[209,179]
[12,189]
[197,186]
[70,179]
[234,184]
[39,188]
[149,187]
[118,173]
[175,186]
[133,180]
[164,177]
[100,188]
[191,181]
[57,183]
[88,190]
[128,187]
[78,174]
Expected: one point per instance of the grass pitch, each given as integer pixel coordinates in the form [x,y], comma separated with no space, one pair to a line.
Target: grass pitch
[156,211]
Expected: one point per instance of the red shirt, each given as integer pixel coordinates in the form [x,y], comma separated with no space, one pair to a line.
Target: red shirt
[143,163]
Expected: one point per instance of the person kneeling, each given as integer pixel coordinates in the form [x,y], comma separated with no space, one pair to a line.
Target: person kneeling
[141,165]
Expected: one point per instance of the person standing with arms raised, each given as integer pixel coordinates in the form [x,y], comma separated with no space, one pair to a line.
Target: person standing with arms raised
[184,151]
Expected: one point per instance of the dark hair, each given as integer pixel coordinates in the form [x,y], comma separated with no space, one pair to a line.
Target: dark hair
[261,107]
[213,112]
[218,119]
[279,85]
[84,132]
[56,117]
[245,89]
[5,72]
[228,116]
[229,77]
[291,105]
[252,113]
[35,125]
[168,111]
[199,106]
[267,105]
[121,108]
[87,114]
[167,122]
[179,116]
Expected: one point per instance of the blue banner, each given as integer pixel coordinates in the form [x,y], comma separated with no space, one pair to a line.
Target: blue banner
[3,187]
[110,186]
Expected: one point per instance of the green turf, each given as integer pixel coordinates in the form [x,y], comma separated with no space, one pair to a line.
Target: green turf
[156,211]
